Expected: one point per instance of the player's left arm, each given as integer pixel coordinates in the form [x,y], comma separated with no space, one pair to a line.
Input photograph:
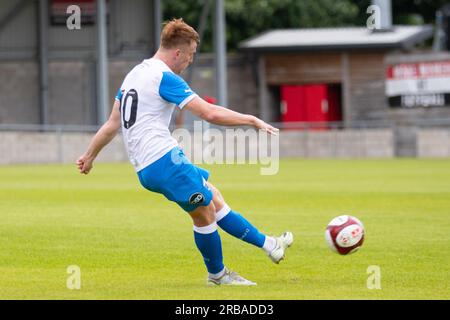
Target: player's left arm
[223,116]
[175,90]
[103,136]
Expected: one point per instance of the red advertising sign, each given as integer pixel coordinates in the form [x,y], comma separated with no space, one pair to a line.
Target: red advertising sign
[422,84]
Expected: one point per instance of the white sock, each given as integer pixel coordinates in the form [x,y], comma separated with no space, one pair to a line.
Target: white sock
[216,275]
[269,244]
[222,212]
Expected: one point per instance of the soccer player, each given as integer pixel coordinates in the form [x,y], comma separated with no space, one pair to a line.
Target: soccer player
[143,108]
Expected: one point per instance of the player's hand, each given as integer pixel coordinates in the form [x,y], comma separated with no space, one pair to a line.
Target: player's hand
[259,124]
[84,164]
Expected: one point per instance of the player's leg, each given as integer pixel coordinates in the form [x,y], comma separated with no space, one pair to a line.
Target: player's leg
[207,238]
[209,244]
[180,181]
[235,224]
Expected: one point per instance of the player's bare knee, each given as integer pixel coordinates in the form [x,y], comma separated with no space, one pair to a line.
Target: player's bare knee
[218,200]
[211,212]
[204,215]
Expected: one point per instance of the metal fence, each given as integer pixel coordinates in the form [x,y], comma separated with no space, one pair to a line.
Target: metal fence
[337,125]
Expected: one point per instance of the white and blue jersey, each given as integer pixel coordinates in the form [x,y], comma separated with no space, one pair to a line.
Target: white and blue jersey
[147,97]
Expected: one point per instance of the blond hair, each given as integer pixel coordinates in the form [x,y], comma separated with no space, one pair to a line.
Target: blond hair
[177,33]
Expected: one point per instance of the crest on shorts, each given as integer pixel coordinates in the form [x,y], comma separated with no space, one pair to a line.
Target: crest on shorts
[196,198]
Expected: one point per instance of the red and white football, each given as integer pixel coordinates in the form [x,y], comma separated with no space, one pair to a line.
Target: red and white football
[344,234]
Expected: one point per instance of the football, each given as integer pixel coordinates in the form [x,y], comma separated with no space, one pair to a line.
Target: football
[345,234]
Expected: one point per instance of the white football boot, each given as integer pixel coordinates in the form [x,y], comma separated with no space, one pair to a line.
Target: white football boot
[230,278]
[283,242]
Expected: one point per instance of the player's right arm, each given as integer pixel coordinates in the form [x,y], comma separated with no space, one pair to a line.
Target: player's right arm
[103,136]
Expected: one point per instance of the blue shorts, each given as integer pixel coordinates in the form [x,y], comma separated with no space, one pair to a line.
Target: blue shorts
[174,176]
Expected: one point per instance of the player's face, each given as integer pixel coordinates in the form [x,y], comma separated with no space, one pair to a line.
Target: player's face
[186,56]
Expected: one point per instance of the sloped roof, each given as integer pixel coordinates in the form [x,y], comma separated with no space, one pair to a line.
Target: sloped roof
[337,39]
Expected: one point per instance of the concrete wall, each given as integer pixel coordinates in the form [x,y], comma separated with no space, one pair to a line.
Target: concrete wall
[433,143]
[375,143]
[53,148]
[27,147]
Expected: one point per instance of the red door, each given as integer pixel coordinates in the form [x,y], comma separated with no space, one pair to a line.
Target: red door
[316,103]
[293,100]
[310,103]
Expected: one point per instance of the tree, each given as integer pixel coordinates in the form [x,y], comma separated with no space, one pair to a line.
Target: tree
[247,18]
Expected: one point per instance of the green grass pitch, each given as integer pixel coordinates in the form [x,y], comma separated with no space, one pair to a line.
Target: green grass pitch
[132,244]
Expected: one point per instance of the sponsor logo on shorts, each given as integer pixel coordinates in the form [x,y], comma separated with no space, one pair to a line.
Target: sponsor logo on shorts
[196,198]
